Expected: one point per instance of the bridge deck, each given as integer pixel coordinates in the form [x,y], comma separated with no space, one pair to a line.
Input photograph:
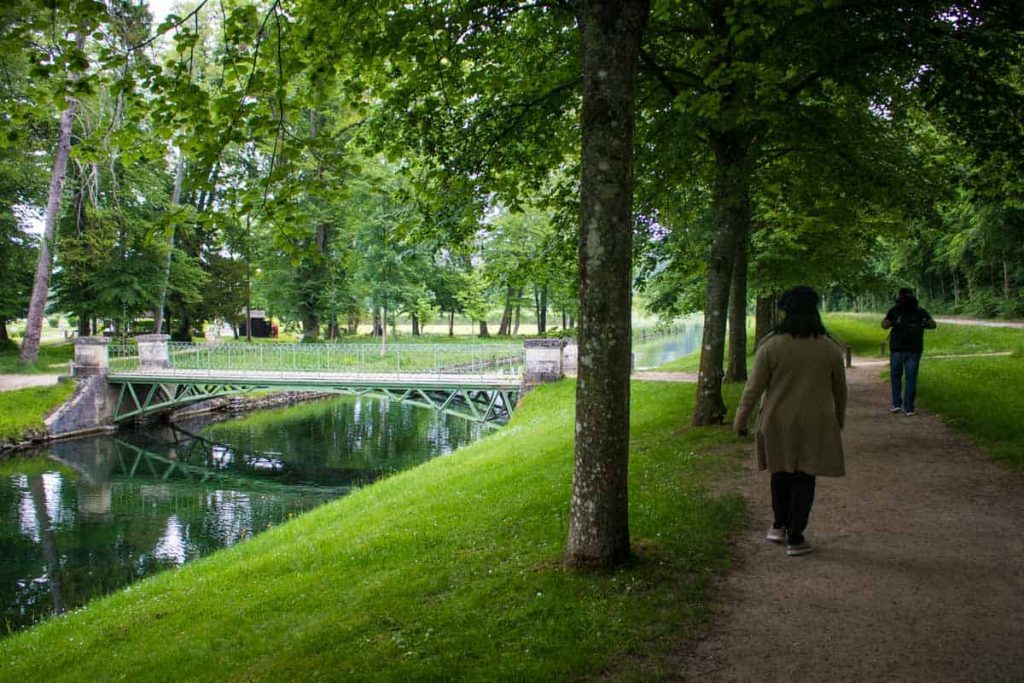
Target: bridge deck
[316,380]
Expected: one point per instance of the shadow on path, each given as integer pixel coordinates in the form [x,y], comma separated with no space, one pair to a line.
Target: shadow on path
[918,572]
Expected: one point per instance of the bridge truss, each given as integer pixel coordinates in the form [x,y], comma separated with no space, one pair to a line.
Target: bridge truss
[480,399]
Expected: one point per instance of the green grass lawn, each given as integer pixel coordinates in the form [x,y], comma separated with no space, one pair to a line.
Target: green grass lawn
[982,397]
[49,356]
[23,410]
[448,571]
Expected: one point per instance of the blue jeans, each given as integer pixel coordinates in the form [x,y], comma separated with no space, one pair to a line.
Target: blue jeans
[904,362]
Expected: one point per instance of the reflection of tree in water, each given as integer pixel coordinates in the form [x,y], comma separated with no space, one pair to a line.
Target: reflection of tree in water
[349,434]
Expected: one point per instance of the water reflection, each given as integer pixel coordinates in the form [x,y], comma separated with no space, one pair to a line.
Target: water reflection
[86,517]
[654,352]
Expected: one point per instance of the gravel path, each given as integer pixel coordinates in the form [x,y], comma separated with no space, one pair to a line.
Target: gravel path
[11,382]
[918,572]
[1017,324]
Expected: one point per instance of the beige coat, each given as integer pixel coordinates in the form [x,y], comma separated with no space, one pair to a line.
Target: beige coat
[804,385]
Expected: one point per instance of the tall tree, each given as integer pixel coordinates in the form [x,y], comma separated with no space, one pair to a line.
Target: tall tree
[76,61]
[610,34]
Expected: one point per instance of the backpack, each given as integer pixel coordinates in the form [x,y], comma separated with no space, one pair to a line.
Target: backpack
[907,332]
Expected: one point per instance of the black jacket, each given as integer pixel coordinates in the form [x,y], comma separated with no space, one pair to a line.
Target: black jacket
[908,324]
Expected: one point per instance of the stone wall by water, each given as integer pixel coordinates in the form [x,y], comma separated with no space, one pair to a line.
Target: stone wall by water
[91,407]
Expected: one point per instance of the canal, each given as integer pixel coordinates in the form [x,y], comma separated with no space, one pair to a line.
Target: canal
[82,518]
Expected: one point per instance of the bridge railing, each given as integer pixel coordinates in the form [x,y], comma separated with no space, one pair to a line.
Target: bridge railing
[360,359]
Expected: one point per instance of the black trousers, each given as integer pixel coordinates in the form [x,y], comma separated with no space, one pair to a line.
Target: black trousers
[792,498]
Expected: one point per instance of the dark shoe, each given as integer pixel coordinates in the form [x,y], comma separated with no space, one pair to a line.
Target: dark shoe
[776,535]
[895,409]
[799,549]
[909,413]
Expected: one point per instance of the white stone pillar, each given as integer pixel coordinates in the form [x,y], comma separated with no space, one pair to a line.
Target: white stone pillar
[570,357]
[90,356]
[543,360]
[153,354]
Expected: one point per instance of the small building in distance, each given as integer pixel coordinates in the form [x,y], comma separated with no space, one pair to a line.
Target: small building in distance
[261,327]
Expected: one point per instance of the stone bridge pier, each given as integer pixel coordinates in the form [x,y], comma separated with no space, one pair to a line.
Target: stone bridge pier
[91,407]
[548,360]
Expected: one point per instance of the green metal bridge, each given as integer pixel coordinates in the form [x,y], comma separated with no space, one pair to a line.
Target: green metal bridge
[480,383]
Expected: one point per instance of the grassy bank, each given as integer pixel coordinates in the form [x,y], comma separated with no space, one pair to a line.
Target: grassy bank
[22,411]
[981,397]
[450,570]
[53,359]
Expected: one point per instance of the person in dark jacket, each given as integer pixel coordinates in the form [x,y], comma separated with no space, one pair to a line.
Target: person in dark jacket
[906,322]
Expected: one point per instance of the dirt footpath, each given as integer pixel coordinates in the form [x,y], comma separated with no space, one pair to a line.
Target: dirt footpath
[917,574]
[12,382]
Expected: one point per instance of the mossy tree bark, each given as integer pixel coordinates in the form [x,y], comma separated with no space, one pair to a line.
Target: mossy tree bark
[599,512]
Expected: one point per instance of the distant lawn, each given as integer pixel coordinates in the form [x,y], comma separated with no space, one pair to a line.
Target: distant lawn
[863,331]
[49,355]
[23,410]
[447,571]
[688,363]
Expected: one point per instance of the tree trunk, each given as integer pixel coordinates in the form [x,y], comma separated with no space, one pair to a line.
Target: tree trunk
[542,311]
[737,368]
[184,331]
[505,328]
[540,302]
[5,339]
[766,316]
[731,216]
[83,324]
[515,326]
[451,324]
[41,283]
[158,314]
[1006,279]
[415,325]
[483,329]
[599,510]
[353,323]
[310,323]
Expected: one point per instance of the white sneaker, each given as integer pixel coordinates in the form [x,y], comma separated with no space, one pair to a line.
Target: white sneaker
[776,535]
[799,549]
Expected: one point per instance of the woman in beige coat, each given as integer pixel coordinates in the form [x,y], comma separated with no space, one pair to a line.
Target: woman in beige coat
[799,369]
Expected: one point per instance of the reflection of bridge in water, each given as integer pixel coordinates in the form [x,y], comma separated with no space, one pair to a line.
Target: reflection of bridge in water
[181,457]
[480,383]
